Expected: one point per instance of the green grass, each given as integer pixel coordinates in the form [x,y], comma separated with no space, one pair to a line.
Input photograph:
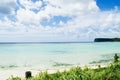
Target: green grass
[111,72]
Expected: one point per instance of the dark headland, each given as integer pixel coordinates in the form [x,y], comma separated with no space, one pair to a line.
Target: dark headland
[107,40]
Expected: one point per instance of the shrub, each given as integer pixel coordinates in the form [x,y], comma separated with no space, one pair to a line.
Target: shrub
[116,57]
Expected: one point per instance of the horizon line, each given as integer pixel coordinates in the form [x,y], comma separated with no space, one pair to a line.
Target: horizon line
[45,42]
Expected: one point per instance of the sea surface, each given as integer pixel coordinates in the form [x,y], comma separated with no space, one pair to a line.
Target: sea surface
[47,55]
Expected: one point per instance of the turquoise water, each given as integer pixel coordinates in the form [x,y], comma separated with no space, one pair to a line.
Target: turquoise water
[48,55]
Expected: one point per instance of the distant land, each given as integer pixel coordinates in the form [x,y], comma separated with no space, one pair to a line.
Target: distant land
[107,40]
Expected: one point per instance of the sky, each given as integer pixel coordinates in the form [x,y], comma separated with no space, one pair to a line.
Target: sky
[58,20]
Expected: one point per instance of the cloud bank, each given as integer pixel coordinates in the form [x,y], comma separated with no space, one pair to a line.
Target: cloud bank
[46,20]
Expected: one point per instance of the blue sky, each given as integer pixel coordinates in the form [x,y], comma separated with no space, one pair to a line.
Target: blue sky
[58,20]
[108,4]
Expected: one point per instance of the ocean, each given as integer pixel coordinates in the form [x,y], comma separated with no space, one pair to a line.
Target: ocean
[49,55]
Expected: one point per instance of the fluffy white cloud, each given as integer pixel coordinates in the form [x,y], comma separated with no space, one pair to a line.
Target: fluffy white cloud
[7,26]
[55,8]
[27,17]
[71,7]
[28,4]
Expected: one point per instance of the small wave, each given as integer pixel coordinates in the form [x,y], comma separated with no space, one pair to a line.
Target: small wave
[101,61]
[8,66]
[59,52]
[56,64]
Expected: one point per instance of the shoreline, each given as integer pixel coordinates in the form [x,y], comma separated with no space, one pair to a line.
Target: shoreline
[20,72]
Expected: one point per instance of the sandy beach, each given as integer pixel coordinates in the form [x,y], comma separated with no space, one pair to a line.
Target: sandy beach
[20,72]
[5,74]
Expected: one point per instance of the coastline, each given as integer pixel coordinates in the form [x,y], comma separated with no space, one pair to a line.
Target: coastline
[20,72]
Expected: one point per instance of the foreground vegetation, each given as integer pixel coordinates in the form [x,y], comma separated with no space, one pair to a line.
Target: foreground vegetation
[111,72]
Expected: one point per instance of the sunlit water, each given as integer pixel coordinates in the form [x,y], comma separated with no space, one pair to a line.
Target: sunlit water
[47,55]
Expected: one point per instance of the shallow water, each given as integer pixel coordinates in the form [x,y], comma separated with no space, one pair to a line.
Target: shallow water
[47,55]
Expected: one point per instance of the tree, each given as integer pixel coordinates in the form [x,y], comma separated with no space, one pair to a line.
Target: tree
[116,57]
